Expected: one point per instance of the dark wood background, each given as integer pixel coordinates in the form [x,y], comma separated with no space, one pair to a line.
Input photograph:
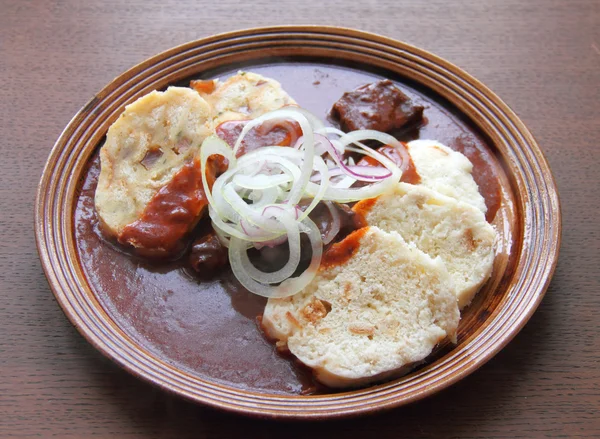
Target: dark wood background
[541,56]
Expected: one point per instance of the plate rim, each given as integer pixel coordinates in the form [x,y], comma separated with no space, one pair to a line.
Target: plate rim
[248,402]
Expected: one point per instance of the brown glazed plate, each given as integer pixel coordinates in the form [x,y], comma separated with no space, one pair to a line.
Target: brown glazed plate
[201,340]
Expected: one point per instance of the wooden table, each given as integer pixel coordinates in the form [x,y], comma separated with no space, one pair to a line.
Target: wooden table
[541,56]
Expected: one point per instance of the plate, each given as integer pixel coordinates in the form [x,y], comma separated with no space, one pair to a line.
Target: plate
[222,367]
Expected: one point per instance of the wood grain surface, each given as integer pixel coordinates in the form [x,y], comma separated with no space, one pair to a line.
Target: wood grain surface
[541,56]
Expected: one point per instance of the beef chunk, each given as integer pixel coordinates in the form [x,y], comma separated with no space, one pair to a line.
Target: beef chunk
[378,106]
[208,255]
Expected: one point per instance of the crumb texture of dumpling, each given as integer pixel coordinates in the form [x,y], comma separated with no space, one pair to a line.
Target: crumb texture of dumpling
[440,226]
[245,96]
[446,171]
[373,316]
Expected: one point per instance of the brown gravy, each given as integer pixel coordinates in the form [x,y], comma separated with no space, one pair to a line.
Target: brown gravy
[340,252]
[171,212]
[263,135]
[210,328]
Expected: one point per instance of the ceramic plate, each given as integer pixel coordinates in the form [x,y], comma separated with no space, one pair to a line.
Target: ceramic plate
[201,340]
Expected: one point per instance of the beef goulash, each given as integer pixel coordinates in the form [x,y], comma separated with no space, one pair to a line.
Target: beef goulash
[380,106]
[366,246]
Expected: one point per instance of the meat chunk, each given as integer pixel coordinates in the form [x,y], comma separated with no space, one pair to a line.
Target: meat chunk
[378,106]
[208,255]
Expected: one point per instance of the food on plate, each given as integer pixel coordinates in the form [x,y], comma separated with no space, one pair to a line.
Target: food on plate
[400,156]
[366,247]
[331,219]
[274,133]
[378,106]
[149,194]
[440,226]
[334,219]
[243,96]
[376,314]
[208,255]
[446,171]
[257,201]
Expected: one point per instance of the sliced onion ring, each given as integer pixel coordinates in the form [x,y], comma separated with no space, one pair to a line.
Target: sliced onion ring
[255,202]
[335,223]
[288,287]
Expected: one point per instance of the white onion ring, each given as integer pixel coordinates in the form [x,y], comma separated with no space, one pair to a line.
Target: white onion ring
[288,287]
[293,238]
[335,225]
[255,202]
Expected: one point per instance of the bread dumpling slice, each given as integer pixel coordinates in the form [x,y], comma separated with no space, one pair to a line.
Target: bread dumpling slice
[243,96]
[446,171]
[149,191]
[440,226]
[377,307]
